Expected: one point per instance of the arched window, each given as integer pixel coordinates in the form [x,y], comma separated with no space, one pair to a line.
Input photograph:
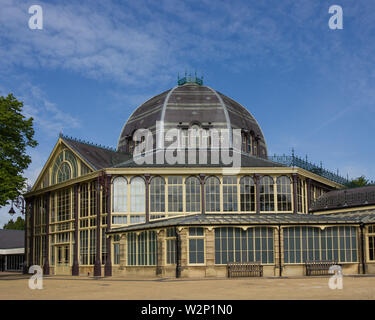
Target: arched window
[244,141]
[230,193]
[137,195]
[120,194]
[249,144]
[194,139]
[247,194]
[64,172]
[65,167]
[69,156]
[157,194]
[193,194]
[212,194]
[266,194]
[284,194]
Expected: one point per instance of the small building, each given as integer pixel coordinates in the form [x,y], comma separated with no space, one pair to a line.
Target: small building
[12,250]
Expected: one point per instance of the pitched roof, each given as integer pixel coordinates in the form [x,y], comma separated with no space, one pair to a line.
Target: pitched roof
[97,156]
[11,239]
[240,219]
[345,198]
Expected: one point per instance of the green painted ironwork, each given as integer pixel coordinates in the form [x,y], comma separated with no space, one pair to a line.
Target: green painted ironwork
[188,78]
[294,161]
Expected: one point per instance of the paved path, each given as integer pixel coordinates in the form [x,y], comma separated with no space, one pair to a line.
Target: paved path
[15,286]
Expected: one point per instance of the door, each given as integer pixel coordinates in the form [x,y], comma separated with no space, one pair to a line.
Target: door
[62,260]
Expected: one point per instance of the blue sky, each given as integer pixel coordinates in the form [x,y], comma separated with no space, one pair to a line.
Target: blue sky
[310,88]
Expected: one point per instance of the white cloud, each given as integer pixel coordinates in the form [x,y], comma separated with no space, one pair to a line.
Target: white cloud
[48,117]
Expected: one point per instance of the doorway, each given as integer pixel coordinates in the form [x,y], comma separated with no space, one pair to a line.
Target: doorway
[62,254]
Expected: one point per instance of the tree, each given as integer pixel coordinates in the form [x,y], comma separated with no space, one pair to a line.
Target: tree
[18,225]
[16,134]
[358,182]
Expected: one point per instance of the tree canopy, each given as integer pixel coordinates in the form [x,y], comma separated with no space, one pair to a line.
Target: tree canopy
[19,224]
[16,134]
[358,182]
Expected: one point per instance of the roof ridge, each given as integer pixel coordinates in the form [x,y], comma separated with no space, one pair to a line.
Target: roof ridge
[88,143]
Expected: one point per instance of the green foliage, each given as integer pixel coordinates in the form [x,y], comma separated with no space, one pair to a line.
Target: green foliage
[18,225]
[358,182]
[16,133]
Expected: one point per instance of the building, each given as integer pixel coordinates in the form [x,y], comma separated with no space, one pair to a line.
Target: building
[99,211]
[12,250]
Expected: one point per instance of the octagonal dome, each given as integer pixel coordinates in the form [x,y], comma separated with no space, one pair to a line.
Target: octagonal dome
[194,104]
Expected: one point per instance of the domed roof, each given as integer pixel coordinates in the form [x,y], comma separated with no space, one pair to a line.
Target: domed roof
[345,198]
[188,104]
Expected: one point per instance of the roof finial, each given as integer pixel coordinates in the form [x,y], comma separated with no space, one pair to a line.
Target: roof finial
[189,78]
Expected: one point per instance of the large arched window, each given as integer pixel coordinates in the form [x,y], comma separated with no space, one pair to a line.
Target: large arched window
[120,194]
[137,195]
[64,172]
[284,194]
[157,194]
[230,193]
[65,167]
[247,194]
[266,194]
[193,194]
[212,194]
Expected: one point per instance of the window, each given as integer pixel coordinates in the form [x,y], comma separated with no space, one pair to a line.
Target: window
[142,248]
[255,147]
[119,219]
[247,194]
[175,203]
[238,245]
[249,144]
[170,240]
[371,242]
[212,186]
[137,195]
[266,194]
[84,169]
[120,194]
[63,205]
[63,172]
[312,243]
[284,194]
[193,194]
[92,246]
[157,195]
[196,246]
[65,167]
[194,136]
[137,219]
[230,193]
[83,245]
[53,209]
[116,249]
[244,142]
[84,200]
